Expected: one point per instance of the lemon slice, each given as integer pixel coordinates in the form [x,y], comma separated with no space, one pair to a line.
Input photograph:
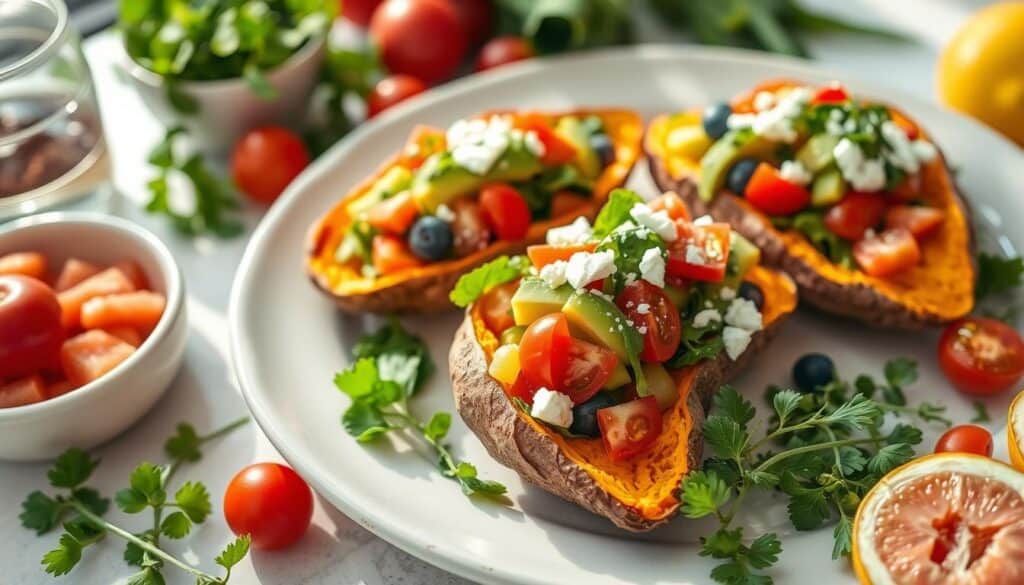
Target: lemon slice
[1015,431]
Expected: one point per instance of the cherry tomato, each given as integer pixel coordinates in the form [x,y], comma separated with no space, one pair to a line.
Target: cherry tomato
[981,356]
[707,261]
[477,18]
[833,93]
[359,11]
[965,439]
[505,211]
[269,502]
[918,220]
[542,254]
[469,227]
[650,310]
[855,214]
[557,150]
[588,368]
[503,50]
[422,38]
[391,254]
[544,350]
[394,214]
[887,253]
[673,205]
[391,90]
[630,428]
[266,160]
[30,327]
[523,389]
[496,305]
[773,195]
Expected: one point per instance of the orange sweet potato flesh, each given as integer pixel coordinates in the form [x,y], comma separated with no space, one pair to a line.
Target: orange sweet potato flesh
[426,288]
[938,290]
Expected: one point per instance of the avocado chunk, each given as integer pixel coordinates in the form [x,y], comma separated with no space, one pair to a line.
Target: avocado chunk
[392,182]
[716,162]
[587,159]
[441,179]
[535,298]
[816,153]
[743,255]
[597,319]
[828,188]
[619,377]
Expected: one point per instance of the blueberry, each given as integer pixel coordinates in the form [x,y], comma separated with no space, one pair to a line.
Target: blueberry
[752,293]
[604,148]
[584,416]
[739,175]
[716,120]
[812,371]
[430,238]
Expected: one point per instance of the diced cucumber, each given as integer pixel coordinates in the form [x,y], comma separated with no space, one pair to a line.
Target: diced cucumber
[743,255]
[578,134]
[828,188]
[393,181]
[816,153]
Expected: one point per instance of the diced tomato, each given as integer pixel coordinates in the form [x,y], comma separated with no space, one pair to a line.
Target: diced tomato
[523,389]
[496,306]
[58,388]
[89,355]
[920,221]
[140,310]
[24,263]
[424,142]
[391,254]
[855,214]
[22,391]
[588,368]
[887,253]
[557,150]
[110,281]
[542,254]
[544,350]
[908,189]
[833,93]
[708,257]
[134,273]
[469,228]
[505,211]
[566,202]
[395,214]
[773,195]
[74,272]
[630,428]
[126,334]
[651,311]
[673,205]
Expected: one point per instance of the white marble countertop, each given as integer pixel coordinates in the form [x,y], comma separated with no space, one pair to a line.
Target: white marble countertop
[336,549]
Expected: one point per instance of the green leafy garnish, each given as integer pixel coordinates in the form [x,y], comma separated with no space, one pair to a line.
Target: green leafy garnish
[615,212]
[980,413]
[997,274]
[473,285]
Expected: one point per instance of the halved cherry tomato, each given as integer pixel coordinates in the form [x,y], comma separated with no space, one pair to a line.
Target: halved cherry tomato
[833,93]
[505,211]
[394,214]
[708,258]
[672,204]
[629,428]
[920,221]
[855,214]
[651,311]
[542,254]
[496,306]
[965,439]
[908,189]
[557,150]
[544,350]
[24,263]
[981,356]
[523,389]
[773,195]
[887,253]
[589,367]
[22,391]
[391,254]
[30,326]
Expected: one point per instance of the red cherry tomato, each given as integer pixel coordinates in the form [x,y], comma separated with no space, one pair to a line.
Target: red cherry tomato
[981,356]
[773,195]
[629,428]
[523,389]
[391,254]
[557,150]
[496,306]
[544,350]
[266,160]
[30,328]
[422,38]
[394,214]
[650,310]
[919,221]
[391,90]
[707,261]
[502,51]
[855,214]
[833,93]
[505,211]
[269,502]
[965,439]
[887,253]
[588,368]
[477,18]
[359,11]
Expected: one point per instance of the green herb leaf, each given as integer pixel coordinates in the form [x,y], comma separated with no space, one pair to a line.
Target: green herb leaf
[258,82]
[703,493]
[901,372]
[466,474]
[615,212]
[997,274]
[193,499]
[890,457]
[72,468]
[40,512]
[147,576]
[980,413]
[764,551]
[725,436]
[401,357]
[903,433]
[184,444]
[234,552]
[733,405]
[473,285]
[131,501]
[62,559]
[842,536]
[785,403]
[437,428]
[176,525]
[147,480]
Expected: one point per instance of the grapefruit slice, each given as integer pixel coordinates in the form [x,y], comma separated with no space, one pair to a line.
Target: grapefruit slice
[943,519]
[1015,431]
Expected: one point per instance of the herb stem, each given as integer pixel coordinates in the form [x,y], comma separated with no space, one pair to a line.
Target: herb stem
[768,463]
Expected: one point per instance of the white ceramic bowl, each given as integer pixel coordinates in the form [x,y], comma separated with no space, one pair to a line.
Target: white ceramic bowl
[228,108]
[98,411]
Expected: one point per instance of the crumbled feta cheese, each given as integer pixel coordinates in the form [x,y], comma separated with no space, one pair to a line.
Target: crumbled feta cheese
[445,213]
[736,121]
[586,267]
[863,174]
[924,151]
[850,126]
[776,122]
[657,221]
[727,293]
[477,144]
[834,127]
[847,153]
[764,100]
[695,255]
[743,313]
[900,152]
[533,144]
[795,173]
[554,273]
[652,267]
[551,407]
[577,232]
[736,341]
[705,317]
[643,308]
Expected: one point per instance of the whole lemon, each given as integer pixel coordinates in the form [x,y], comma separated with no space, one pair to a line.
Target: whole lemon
[981,71]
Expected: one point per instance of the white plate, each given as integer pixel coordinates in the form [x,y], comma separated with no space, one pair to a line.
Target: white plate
[288,340]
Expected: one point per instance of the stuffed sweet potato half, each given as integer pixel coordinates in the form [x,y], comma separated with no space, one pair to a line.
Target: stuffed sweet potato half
[450,201]
[587,365]
[850,198]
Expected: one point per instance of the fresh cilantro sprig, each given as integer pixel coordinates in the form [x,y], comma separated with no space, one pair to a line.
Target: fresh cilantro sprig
[391,365]
[79,510]
[473,285]
[997,274]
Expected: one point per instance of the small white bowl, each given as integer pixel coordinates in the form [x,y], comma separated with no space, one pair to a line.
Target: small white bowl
[228,108]
[96,412]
